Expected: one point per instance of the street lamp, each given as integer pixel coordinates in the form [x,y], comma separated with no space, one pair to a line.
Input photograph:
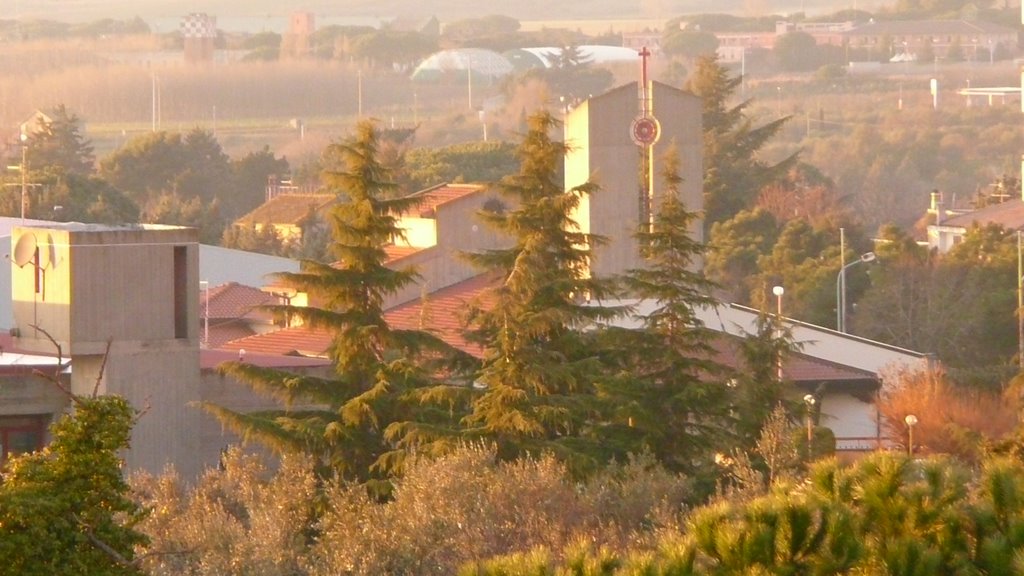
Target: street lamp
[911,421]
[24,169]
[841,289]
[778,291]
[809,402]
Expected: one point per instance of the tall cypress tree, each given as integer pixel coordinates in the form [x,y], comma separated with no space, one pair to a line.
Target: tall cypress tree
[377,368]
[670,398]
[539,366]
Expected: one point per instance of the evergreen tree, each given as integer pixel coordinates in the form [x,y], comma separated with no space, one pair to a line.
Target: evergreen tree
[670,400]
[760,388]
[733,175]
[58,144]
[377,367]
[539,366]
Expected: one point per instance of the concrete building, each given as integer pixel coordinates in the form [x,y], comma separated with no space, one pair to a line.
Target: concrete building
[121,304]
[603,150]
[977,40]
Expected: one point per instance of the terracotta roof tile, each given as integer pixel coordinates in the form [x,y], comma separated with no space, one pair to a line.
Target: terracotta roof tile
[441,314]
[438,195]
[798,367]
[234,300]
[209,359]
[300,340]
[221,332]
[1009,215]
[398,252]
[287,209]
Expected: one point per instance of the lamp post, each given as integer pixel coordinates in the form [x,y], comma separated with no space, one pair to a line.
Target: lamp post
[24,169]
[778,291]
[911,421]
[841,289]
[809,402]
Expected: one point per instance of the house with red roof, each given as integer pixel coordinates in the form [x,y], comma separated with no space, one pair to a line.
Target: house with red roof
[231,311]
[288,214]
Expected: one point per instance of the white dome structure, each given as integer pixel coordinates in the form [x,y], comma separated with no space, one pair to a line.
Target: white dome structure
[542,57]
[484,64]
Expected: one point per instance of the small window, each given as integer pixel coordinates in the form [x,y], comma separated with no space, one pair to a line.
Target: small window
[181,286]
[21,434]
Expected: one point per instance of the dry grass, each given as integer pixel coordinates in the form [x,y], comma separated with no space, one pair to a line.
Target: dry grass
[950,419]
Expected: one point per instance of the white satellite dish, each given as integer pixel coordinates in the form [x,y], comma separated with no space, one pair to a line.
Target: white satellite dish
[25,250]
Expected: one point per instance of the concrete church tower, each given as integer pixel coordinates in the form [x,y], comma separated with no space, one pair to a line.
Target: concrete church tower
[608,146]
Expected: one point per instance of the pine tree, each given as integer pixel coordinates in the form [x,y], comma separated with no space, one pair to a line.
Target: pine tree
[377,367]
[58,145]
[671,399]
[733,175]
[539,367]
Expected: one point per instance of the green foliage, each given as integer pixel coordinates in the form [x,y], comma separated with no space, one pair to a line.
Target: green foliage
[393,48]
[759,388]
[733,175]
[571,76]
[796,51]
[377,368]
[173,209]
[58,144]
[954,306]
[247,187]
[66,509]
[84,199]
[665,398]
[689,43]
[805,261]
[735,247]
[263,239]
[264,40]
[539,367]
[192,165]
[471,162]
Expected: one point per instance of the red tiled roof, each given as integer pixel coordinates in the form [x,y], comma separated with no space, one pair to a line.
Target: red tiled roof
[222,332]
[797,368]
[440,194]
[209,359]
[1009,215]
[398,252]
[299,340]
[234,300]
[441,313]
[287,209]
